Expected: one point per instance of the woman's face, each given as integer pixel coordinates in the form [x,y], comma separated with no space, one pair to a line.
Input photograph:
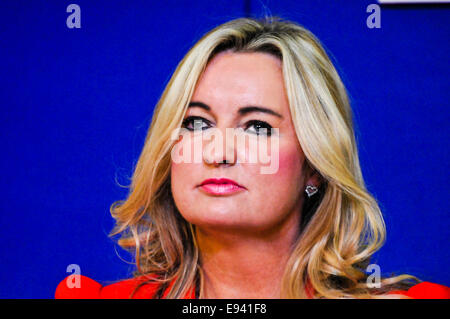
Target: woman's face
[230,83]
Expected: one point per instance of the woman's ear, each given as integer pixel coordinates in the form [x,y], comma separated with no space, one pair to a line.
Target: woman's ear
[313,178]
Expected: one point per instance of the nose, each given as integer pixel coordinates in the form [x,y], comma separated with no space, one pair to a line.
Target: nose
[219,147]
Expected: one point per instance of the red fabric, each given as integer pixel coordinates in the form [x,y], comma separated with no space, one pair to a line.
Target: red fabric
[90,289]
[425,290]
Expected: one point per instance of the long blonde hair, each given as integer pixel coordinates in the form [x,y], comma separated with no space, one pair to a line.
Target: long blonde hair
[344,225]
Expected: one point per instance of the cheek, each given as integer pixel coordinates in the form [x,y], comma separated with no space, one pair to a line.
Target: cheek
[182,165]
[288,179]
[176,176]
[183,177]
[290,162]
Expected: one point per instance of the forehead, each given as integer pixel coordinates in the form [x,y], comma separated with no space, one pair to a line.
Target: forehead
[232,80]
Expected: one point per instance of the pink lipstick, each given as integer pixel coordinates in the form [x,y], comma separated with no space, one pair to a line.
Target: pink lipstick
[220,186]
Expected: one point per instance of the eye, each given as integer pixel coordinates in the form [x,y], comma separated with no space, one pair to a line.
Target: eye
[195,122]
[258,127]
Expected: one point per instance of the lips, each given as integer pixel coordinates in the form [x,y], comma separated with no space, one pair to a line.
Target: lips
[220,186]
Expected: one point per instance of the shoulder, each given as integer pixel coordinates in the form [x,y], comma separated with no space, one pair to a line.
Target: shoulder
[425,290]
[82,287]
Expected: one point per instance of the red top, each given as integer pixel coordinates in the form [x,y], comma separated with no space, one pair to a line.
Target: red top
[91,289]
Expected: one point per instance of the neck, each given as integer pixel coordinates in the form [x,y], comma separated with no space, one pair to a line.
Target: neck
[245,266]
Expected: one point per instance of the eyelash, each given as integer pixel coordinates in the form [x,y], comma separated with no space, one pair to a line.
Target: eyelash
[190,120]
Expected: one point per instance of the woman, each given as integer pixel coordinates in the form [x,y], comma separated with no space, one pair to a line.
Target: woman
[213,223]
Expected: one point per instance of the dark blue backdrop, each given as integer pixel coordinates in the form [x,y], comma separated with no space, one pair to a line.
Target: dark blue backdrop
[76,104]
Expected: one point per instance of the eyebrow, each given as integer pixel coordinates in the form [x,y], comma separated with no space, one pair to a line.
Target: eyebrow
[242,111]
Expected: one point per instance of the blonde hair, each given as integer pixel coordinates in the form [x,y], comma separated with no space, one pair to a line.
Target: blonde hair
[344,225]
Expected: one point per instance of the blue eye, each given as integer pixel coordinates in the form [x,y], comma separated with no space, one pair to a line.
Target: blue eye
[195,123]
[259,127]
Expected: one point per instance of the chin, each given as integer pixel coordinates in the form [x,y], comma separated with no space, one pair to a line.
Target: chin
[210,217]
[217,220]
[228,222]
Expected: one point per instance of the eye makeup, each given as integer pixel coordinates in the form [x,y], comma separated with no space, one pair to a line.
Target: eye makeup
[260,127]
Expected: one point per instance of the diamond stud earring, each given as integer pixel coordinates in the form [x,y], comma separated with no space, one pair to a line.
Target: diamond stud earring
[311,190]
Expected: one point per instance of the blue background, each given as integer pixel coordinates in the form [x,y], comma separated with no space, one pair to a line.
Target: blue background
[76,104]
